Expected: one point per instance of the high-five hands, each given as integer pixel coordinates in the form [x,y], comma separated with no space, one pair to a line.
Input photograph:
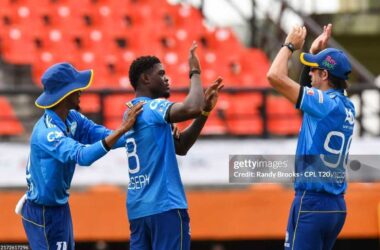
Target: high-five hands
[193,58]
[297,37]
[211,94]
[320,43]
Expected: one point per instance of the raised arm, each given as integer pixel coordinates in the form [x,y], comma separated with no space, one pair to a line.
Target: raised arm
[319,44]
[187,138]
[278,72]
[192,105]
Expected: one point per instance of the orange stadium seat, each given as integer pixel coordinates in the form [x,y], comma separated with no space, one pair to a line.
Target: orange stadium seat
[17,46]
[9,124]
[90,103]
[44,59]
[243,115]
[114,108]
[255,65]
[283,118]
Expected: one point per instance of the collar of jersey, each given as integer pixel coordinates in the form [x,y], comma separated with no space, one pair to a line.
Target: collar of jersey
[56,120]
[141,98]
[336,91]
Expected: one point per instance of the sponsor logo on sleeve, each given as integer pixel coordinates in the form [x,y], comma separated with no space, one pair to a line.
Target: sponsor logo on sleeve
[54,136]
[309,91]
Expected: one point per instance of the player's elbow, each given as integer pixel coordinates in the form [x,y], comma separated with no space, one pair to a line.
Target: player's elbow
[181,149]
[84,162]
[193,106]
[195,111]
[192,110]
[181,152]
[273,78]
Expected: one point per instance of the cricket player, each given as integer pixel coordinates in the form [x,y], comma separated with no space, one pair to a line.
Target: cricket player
[318,211]
[61,139]
[156,202]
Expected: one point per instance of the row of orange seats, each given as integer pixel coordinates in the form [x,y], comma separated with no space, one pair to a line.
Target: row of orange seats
[107,35]
[235,114]
[245,67]
[111,56]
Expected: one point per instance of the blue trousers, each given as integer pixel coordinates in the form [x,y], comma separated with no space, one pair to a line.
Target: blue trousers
[315,221]
[164,231]
[48,227]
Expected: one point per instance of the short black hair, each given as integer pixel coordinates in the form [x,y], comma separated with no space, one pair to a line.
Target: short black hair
[139,66]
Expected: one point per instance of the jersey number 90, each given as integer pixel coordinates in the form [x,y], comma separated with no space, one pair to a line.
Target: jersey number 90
[336,152]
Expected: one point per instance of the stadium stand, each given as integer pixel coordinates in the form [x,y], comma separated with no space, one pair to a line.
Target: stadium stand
[9,124]
[107,35]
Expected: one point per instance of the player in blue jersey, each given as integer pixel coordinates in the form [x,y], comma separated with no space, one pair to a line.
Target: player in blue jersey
[156,202]
[318,211]
[62,138]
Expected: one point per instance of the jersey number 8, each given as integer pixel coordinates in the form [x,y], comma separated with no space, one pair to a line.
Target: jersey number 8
[133,165]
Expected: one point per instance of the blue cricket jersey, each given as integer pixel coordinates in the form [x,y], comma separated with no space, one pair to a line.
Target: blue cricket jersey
[155,184]
[324,140]
[55,149]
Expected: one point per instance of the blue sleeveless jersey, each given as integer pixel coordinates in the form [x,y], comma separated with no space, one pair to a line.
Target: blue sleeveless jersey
[155,184]
[324,140]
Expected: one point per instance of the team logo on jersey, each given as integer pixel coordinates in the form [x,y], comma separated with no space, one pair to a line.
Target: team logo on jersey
[54,135]
[159,104]
[310,91]
[349,116]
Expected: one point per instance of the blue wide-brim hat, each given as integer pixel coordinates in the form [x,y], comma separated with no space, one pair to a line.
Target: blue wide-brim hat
[61,80]
[333,60]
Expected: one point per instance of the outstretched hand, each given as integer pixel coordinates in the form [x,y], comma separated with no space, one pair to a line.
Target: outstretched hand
[320,43]
[211,94]
[193,58]
[297,37]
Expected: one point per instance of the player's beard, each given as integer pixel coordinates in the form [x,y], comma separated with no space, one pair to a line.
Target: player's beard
[160,93]
[166,95]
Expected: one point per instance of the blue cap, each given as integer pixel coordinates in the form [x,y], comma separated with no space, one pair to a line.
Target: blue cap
[59,81]
[332,60]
